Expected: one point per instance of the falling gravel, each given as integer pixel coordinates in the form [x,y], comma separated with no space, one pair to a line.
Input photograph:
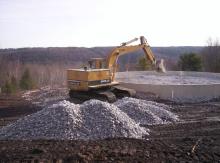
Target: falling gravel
[91,120]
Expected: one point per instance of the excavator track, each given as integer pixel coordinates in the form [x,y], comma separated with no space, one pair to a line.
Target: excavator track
[110,94]
[107,95]
[103,95]
[121,92]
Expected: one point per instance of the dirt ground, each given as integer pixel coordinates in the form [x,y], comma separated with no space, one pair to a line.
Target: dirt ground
[196,138]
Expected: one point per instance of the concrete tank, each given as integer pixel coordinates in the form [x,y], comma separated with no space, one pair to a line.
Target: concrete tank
[174,85]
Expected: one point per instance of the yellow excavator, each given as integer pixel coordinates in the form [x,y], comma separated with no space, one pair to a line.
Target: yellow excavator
[97,80]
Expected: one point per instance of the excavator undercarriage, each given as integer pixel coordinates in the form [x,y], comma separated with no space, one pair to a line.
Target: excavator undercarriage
[109,94]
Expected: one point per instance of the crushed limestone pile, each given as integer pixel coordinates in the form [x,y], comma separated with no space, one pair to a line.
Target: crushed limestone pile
[60,121]
[146,112]
[102,120]
[93,119]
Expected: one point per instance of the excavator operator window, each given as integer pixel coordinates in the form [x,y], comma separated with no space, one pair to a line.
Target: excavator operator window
[90,64]
[96,63]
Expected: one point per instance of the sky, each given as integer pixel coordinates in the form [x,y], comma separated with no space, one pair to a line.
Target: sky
[89,23]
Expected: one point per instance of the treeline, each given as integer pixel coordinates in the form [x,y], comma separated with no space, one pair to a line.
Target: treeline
[12,85]
[208,60]
[28,68]
[67,55]
[52,55]
[70,55]
[211,56]
[16,76]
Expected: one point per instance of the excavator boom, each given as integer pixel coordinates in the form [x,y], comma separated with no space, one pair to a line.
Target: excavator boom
[124,49]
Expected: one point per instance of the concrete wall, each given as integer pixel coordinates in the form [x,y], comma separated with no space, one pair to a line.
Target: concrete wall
[185,93]
[179,92]
[171,73]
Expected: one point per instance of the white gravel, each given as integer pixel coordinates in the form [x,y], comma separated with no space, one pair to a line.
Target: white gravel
[102,120]
[146,112]
[45,96]
[60,121]
[93,119]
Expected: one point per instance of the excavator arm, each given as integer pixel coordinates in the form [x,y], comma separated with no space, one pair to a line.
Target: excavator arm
[124,49]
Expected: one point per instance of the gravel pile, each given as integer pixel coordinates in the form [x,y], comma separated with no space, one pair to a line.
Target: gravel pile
[45,96]
[146,112]
[102,120]
[60,121]
[93,119]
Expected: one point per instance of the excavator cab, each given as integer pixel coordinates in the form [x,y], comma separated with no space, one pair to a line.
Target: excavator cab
[96,63]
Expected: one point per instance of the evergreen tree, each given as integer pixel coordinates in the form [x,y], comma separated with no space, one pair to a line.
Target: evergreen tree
[190,62]
[7,88]
[26,81]
[144,64]
[14,84]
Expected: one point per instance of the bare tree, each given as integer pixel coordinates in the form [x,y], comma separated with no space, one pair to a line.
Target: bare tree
[211,56]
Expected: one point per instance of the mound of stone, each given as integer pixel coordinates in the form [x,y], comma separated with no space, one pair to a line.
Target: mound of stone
[60,121]
[146,112]
[91,120]
[102,120]
[67,121]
